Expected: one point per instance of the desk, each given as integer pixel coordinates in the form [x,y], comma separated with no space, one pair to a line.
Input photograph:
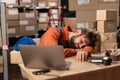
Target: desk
[79,71]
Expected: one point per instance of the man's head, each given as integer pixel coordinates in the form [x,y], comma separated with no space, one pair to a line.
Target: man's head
[84,38]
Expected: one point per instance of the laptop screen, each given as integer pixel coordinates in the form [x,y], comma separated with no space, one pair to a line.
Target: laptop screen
[43,57]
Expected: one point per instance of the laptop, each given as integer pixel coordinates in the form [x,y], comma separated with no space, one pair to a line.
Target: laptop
[43,57]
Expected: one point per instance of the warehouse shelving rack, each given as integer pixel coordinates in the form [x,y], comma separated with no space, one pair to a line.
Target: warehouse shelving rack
[36,8]
[4,40]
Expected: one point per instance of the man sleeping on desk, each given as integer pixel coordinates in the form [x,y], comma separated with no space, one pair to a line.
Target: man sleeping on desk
[80,43]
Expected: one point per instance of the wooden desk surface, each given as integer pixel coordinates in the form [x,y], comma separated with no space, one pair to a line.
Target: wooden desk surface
[79,71]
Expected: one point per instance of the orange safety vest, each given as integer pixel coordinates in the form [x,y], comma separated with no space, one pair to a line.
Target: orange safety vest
[51,38]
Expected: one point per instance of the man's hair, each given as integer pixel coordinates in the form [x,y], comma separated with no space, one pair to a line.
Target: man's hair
[92,36]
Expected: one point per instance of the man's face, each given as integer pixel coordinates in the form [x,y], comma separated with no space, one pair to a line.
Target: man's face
[81,41]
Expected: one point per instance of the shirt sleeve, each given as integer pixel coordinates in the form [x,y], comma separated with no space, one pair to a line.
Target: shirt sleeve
[69,52]
[51,37]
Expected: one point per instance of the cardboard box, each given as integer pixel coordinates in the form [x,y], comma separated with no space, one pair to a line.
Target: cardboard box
[12,11]
[23,22]
[13,31]
[70,22]
[109,14]
[26,3]
[12,14]
[83,5]
[108,37]
[42,3]
[43,19]
[87,5]
[26,15]
[111,45]
[11,2]
[72,5]
[52,3]
[108,5]
[27,30]
[43,26]
[88,25]
[106,26]
[13,23]
[12,17]
[86,16]
[43,15]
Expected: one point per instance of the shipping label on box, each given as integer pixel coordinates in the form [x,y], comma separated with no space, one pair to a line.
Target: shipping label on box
[109,14]
[26,21]
[27,30]
[23,22]
[108,37]
[106,26]
[13,31]
[10,1]
[13,11]
[82,25]
[80,2]
[29,15]
[88,25]
[30,28]
[111,45]
[26,1]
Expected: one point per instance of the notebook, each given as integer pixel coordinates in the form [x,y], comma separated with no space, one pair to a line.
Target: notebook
[43,57]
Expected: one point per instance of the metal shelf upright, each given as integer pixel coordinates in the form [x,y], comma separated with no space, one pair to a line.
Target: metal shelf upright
[4,40]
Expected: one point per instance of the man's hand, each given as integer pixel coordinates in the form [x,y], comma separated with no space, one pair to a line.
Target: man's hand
[82,55]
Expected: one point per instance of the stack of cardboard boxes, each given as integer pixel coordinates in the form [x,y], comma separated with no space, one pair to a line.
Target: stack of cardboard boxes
[48,16]
[12,18]
[26,23]
[20,16]
[86,11]
[107,27]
